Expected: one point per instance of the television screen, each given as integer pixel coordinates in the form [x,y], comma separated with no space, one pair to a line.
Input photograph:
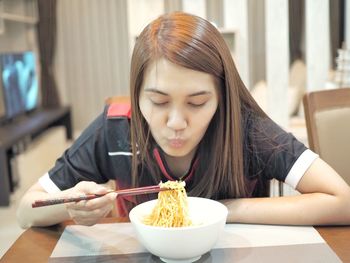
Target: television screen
[2,103]
[19,81]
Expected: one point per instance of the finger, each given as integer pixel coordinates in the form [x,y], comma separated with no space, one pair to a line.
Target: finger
[112,196]
[99,202]
[89,217]
[91,188]
[93,204]
[81,205]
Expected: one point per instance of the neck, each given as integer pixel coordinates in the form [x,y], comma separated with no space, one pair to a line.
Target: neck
[179,166]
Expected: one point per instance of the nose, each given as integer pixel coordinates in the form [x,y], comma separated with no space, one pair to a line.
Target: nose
[176,120]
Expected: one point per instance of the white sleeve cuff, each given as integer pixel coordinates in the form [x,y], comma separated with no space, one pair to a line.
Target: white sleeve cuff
[48,185]
[299,168]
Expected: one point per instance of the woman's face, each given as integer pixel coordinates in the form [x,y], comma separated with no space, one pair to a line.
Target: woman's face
[178,104]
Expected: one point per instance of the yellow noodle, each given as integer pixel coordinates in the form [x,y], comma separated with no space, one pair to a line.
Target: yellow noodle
[171,209]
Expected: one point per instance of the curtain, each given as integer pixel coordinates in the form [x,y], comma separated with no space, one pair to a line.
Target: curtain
[296,25]
[336,20]
[47,43]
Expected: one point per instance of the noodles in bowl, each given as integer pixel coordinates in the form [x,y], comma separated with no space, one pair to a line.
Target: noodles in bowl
[179,243]
[171,209]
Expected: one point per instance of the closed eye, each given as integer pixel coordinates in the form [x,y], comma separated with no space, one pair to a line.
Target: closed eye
[159,103]
[196,105]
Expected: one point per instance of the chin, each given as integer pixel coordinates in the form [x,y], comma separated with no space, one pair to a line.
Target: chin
[176,152]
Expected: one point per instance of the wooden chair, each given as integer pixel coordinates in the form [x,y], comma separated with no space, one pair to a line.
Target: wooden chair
[327,115]
[117,99]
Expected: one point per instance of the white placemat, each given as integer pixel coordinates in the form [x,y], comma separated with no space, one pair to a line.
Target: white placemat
[120,238]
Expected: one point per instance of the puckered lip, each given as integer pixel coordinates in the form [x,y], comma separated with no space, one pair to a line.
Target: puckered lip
[176,138]
[176,142]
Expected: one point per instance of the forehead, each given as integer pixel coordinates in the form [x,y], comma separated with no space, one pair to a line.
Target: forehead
[169,77]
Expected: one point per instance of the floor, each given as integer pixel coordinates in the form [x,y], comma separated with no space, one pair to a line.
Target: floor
[46,148]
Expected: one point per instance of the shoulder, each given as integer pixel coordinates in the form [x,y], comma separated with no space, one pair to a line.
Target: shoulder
[261,129]
[118,110]
[268,148]
[261,132]
[117,126]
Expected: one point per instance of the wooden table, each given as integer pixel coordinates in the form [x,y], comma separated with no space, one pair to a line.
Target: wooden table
[36,244]
[21,130]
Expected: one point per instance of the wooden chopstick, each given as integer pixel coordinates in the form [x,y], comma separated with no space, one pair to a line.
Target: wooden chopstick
[123,192]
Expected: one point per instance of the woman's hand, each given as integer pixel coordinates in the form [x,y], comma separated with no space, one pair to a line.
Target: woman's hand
[88,212]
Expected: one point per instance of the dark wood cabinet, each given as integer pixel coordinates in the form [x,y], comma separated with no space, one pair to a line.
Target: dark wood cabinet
[22,129]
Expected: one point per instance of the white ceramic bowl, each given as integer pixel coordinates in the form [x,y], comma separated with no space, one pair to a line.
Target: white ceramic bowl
[181,244]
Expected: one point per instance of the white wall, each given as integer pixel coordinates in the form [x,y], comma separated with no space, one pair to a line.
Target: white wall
[92,59]
[96,38]
[347,23]
[196,7]
[277,60]
[140,13]
[236,18]
[317,43]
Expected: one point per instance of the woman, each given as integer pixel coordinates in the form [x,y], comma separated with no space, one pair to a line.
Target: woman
[194,120]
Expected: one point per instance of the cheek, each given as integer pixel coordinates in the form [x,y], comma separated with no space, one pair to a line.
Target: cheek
[202,122]
[152,116]
[146,110]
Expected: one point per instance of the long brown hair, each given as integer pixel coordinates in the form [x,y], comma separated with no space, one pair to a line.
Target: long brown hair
[194,43]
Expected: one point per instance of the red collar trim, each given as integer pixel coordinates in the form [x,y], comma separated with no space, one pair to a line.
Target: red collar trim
[194,167]
[161,164]
[119,110]
[164,171]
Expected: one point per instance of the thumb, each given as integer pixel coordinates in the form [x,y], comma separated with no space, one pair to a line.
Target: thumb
[91,188]
[100,190]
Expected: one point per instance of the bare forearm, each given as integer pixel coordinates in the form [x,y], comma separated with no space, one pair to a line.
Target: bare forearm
[306,209]
[84,212]
[41,216]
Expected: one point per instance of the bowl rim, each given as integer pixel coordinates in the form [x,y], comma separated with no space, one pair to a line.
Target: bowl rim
[134,219]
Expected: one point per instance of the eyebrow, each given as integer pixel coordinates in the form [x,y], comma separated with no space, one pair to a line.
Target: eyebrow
[203,92]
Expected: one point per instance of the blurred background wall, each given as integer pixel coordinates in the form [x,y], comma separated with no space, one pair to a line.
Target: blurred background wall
[281,48]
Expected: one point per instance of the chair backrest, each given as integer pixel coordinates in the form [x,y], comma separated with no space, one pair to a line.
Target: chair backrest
[112,184]
[117,99]
[327,115]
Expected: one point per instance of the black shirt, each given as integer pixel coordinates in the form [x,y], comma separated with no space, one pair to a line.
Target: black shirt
[103,152]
